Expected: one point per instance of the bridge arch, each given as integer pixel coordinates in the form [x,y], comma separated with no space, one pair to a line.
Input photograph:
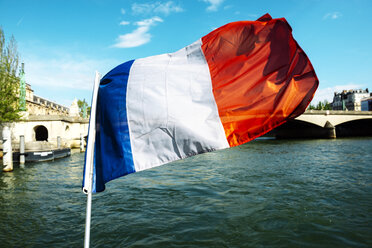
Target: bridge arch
[353,119]
[358,127]
[302,129]
[41,133]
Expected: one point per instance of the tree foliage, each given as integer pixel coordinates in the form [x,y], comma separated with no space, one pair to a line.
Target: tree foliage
[325,105]
[83,104]
[9,80]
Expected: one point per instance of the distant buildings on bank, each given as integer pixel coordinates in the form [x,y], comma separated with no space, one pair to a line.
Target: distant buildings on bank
[47,121]
[353,100]
[366,104]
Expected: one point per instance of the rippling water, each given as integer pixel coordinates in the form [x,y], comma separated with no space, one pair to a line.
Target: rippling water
[267,193]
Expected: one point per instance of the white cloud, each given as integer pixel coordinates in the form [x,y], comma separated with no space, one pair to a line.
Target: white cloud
[63,71]
[64,77]
[123,23]
[214,4]
[156,7]
[139,36]
[332,15]
[167,8]
[122,11]
[328,93]
[149,22]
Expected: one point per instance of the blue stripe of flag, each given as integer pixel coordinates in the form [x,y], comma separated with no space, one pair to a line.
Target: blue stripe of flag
[113,153]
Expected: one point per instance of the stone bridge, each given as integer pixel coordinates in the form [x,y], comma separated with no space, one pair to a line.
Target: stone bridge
[327,124]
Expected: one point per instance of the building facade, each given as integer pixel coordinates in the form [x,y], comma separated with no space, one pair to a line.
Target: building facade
[366,104]
[349,99]
[36,105]
[45,121]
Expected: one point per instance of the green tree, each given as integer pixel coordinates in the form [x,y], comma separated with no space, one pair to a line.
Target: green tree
[327,105]
[311,107]
[83,104]
[9,80]
[319,106]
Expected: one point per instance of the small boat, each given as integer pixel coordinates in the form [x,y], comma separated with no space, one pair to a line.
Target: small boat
[44,155]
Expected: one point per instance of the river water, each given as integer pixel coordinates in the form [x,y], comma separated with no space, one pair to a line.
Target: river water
[267,193]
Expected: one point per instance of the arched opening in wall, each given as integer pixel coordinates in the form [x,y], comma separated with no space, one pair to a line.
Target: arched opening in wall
[296,129]
[41,133]
[354,128]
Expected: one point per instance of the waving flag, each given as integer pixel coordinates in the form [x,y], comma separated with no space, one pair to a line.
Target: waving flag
[231,86]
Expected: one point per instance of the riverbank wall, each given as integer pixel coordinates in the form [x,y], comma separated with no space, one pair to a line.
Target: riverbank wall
[42,132]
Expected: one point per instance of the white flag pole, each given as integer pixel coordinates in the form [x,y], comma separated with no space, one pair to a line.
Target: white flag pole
[88,177]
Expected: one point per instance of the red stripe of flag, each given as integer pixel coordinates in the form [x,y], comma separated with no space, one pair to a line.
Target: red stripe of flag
[260,76]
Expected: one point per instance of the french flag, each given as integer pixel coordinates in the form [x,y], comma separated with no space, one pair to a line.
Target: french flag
[231,86]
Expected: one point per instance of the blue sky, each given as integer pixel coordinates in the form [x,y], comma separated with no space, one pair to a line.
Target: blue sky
[64,42]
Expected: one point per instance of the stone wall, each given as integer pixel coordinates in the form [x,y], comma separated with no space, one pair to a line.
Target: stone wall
[48,128]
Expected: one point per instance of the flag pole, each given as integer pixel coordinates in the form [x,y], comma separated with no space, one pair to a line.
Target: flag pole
[88,177]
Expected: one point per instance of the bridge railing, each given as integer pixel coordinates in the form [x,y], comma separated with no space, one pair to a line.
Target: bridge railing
[336,112]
